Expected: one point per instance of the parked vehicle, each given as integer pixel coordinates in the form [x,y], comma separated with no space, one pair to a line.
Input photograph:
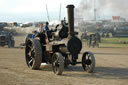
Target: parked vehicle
[6,39]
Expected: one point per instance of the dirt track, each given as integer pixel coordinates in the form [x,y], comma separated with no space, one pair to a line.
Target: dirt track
[111,69]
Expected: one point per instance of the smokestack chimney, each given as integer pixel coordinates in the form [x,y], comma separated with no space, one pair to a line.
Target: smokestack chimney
[70,11]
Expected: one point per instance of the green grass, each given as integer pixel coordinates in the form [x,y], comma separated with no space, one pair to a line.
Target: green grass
[115,40]
[112,42]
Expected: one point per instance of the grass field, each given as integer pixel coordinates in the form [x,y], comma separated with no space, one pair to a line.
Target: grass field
[115,40]
[112,42]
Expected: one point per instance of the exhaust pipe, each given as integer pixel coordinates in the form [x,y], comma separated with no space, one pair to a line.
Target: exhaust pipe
[74,44]
[70,11]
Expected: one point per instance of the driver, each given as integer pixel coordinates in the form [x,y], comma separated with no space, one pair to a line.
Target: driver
[46,28]
[48,31]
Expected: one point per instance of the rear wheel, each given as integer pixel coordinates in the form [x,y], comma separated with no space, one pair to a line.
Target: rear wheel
[33,54]
[88,62]
[57,63]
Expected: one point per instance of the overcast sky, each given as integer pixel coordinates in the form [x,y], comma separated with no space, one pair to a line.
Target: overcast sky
[32,10]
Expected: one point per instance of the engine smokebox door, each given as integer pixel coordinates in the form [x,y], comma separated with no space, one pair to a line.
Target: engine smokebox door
[74,45]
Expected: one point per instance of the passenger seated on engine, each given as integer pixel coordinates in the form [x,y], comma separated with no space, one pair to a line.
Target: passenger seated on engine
[48,31]
[34,33]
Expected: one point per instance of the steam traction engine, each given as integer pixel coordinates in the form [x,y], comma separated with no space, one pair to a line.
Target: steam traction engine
[60,51]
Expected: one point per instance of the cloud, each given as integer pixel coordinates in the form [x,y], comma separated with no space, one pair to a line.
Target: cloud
[20,6]
[33,9]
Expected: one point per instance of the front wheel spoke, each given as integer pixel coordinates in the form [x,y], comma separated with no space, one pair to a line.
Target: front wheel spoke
[54,64]
[55,69]
[84,66]
[57,59]
[57,64]
[88,62]
[89,56]
[88,66]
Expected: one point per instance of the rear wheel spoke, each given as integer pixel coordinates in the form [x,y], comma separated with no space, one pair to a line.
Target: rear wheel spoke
[30,61]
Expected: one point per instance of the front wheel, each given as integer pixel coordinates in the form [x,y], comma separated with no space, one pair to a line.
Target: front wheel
[57,63]
[88,62]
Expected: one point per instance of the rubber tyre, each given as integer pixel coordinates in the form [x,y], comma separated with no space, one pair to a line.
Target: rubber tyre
[37,55]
